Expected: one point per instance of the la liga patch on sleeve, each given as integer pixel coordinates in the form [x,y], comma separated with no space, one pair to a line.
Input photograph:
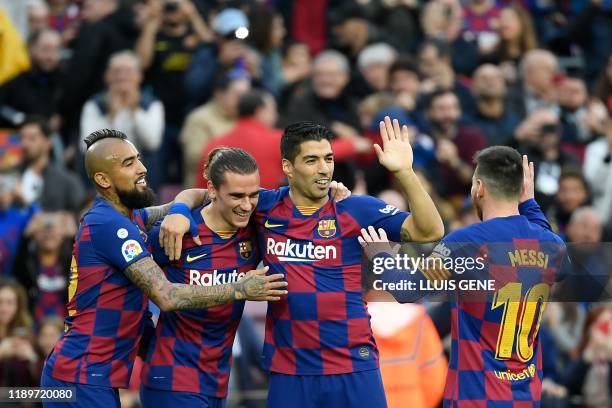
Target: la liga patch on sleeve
[130,249]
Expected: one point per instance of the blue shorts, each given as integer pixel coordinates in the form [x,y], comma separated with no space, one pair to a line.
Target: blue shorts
[154,398]
[87,395]
[352,390]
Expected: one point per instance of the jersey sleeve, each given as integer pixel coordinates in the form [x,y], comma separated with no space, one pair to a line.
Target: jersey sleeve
[371,211]
[534,214]
[117,241]
[157,251]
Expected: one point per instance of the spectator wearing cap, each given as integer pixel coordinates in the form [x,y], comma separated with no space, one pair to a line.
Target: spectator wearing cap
[122,106]
[373,64]
[456,144]
[172,32]
[51,185]
[228,52]
[37,90]
[329,104]
[211,120]
[492,116]
[254,132]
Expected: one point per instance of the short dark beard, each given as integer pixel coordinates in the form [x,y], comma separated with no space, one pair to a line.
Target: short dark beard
[135,199]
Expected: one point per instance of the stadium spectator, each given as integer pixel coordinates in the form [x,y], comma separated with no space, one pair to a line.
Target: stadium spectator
[481,16]
[38,16]
[546,153]
[405,85]
[64,18]
[603,87]
[538,69]
[17,356]
[493,115]
[171,34]
[51,185]
[456,145]
[228,52]
[37,90]
[211,120]
[516,36]
[44,261]
[373,64]
[266,35]
[297,68]
[437,73]
[106,29]
[582,120]
[592,31]
[13,221]
[123,106]
[598,172]
[589,379]
[49,331]
[352,31]
[254,132]
[442,20]
[572,194]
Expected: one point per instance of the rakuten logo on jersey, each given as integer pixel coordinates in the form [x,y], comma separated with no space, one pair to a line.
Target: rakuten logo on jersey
[213,278]
[288,251]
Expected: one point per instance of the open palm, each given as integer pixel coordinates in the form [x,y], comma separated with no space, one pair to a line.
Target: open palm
[396,152]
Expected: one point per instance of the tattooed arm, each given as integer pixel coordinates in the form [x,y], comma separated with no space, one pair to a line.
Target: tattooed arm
[193,197]
[168,296]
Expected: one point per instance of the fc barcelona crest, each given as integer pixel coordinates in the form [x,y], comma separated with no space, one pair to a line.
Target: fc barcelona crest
[245,249]
[327,228]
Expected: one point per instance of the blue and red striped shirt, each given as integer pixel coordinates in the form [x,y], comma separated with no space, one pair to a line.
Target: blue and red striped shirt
[322,326]
[106,311]
[191,350]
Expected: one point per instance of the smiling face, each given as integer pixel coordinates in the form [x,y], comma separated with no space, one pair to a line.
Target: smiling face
[236,198]
[123,173]
[311,171]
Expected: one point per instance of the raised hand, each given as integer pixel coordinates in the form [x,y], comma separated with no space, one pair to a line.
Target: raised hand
[258,286]
[527,190]
[396,152]
[374,242]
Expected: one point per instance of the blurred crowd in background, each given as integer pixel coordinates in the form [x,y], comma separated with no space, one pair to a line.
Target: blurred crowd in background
[180,77]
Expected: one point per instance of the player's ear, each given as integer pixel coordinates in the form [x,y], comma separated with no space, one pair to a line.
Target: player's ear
[480,188]
[287,168]
[102,180]
[212,191]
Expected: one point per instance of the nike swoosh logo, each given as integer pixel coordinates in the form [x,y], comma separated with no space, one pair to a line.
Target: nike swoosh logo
[268,225]
[194,258]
